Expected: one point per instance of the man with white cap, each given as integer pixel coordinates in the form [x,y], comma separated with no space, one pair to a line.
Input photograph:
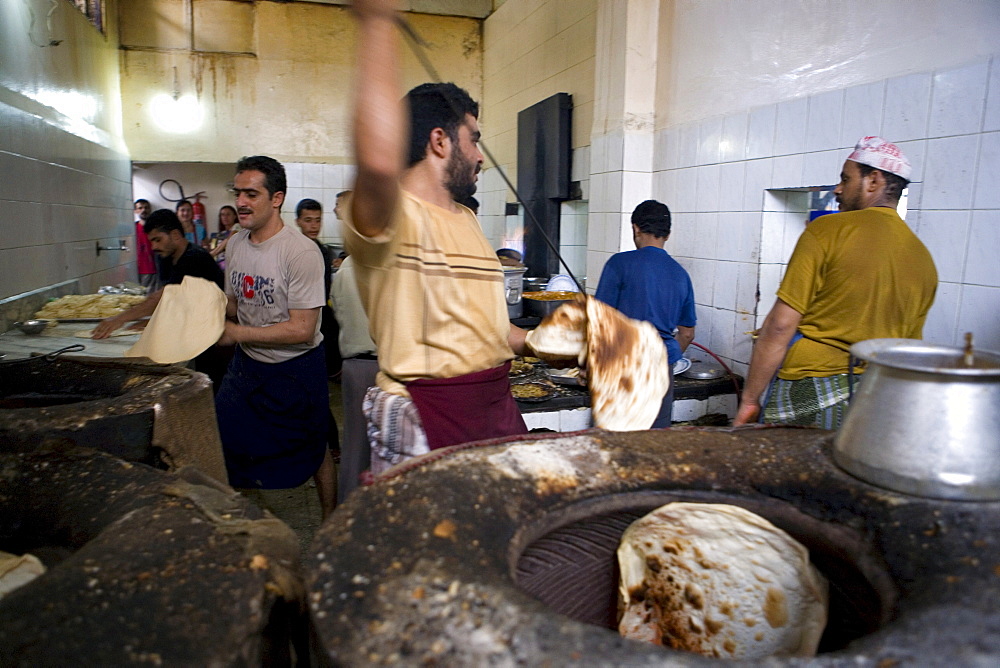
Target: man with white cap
[855,275]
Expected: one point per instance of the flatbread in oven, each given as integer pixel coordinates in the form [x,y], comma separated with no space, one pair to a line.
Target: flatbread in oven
[627,371]
[718,580]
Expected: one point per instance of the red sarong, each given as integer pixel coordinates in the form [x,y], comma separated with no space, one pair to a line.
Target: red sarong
[467,408]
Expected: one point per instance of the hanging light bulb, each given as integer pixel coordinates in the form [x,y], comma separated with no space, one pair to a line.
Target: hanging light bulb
[176,113]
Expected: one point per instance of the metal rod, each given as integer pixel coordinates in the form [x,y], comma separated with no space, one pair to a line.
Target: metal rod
[418,45]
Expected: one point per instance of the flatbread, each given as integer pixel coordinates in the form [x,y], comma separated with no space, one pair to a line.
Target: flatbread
[627,367]
[718,580]
[188,320]
[626,360]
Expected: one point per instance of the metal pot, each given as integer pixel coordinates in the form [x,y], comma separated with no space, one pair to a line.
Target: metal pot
[923,421]
[513,282]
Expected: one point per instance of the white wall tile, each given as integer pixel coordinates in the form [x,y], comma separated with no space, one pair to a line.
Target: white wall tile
[790,127]
[638,152]
[979,313]
[663,186]
[723,327]
[823,128]
[733,141]
[949,173]
[293,174]
[664,148]
[750,233]
[957,100]
[687,147]
[598,155]
[686,410]
[991,119]
[916,152]
[731,184]
[987,195]
[862,112]
[981,263]
[726,285]
[760,132]
[728,239]
[707,197]
[636,188]
[706,239]
[331,176]
[795,225]
[580,169]
[746,288]
[946,235]
[907,104]
[709,136]
[758,179]
[788,171]
[823,168]
[685,195]
[942,319]
[615,150]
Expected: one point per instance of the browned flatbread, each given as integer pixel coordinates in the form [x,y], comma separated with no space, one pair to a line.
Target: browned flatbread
[718,580]
[626,360]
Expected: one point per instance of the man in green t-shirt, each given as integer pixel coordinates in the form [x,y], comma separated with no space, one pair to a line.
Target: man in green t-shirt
[855,275]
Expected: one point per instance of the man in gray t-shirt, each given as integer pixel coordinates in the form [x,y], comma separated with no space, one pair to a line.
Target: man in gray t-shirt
[274,406]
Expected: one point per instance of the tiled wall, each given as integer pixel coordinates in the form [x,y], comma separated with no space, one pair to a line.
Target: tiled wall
[60,196]
[321,183]
[724,179]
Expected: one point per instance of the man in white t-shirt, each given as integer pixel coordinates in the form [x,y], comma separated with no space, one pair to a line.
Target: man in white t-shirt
[273,406]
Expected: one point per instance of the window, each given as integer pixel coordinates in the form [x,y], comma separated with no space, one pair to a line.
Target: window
[93,10]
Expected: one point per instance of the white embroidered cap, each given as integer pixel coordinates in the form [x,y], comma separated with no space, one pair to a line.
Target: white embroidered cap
[877,152]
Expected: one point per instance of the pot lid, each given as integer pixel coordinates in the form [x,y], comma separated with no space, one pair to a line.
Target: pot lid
[917,355]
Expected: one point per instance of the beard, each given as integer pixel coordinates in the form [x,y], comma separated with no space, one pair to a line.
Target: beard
[461,176]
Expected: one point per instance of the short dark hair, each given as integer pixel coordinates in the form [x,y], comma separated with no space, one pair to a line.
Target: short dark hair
[181,203]
[140,201]
[274,174]
[436,105]
[163,219]
[342,193]
[652,217]
[307,205]
[894,184]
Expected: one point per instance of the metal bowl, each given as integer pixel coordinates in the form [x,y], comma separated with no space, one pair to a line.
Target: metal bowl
[32,327]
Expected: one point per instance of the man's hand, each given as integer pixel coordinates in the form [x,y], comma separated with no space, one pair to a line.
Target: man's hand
[747,413]
[106,327]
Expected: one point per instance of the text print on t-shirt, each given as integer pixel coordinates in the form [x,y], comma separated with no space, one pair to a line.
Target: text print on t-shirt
[256,290]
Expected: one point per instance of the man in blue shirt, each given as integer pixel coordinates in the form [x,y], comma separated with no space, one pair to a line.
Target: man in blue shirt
[647,284]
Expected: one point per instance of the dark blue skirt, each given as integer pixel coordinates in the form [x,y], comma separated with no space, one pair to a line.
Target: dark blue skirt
[274,419]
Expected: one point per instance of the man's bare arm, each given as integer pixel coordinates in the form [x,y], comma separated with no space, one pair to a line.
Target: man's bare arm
[685,335]
[779,327]
[380,132]
[299,328]
[140,310]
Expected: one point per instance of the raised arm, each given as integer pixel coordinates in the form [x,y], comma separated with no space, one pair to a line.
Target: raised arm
[380,128]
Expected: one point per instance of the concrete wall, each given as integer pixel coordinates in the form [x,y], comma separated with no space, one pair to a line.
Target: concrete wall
[269,78]
[534,49]
[65,182]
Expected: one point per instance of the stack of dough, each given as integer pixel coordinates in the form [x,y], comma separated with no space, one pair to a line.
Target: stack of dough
[188,320]
[626,360]
[721,581]
[71,307]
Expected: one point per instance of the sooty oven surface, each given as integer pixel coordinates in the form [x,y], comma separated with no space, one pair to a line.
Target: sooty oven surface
[502,552]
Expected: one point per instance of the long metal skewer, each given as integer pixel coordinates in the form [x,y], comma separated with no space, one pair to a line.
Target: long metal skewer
[418,45]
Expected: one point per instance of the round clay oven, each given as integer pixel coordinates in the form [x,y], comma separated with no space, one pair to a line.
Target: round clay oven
[161,415]
[145,567]
[503,553]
